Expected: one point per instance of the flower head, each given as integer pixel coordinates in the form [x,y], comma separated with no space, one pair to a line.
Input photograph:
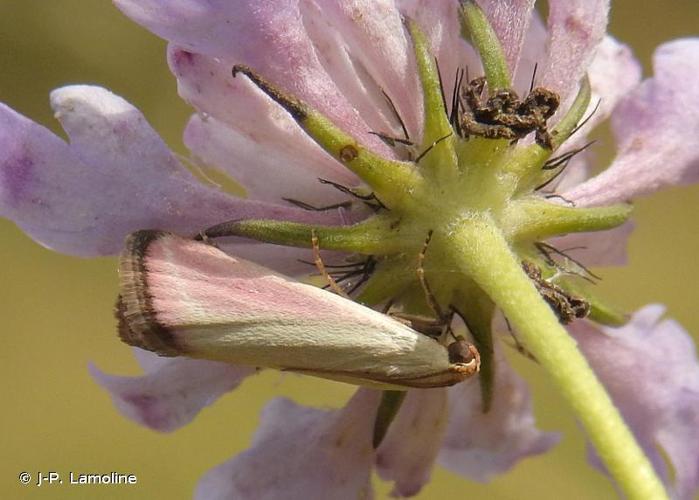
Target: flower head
[419,162]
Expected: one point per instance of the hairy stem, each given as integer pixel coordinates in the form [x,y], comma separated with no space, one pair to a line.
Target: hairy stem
[482,253]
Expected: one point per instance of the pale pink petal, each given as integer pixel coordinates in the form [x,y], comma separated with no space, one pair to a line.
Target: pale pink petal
[268,171]
[300,453]
[651,371]
[116,176]
[656,128]
[532,54]
[440,22]
[364,47]
[510,21]
[276,38]
[407,454]
[605,248]
[576,27]
[172,391]
[613,73]
[480,445]
[208,85]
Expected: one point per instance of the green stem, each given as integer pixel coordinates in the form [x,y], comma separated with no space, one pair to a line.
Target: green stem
[483,254]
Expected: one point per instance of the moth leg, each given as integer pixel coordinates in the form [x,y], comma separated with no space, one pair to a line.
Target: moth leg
[517,344]
[429,295]
[321,268]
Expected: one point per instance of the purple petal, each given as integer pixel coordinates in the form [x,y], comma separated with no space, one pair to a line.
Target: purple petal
[279,37]
[480,445]
[575,27]
[510,21]
[407,454]
[173,390]
[656,128]
[115,177]
[301,452]
[607,248]
[651,371]
[363,46]
[613,73]
[287,165]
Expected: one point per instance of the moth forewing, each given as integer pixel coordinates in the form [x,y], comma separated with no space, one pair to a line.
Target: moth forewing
[184,297]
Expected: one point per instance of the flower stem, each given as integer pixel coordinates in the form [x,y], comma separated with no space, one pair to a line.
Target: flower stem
[481,251]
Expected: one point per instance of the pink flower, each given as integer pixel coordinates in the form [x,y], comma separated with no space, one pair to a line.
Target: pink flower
[116,176]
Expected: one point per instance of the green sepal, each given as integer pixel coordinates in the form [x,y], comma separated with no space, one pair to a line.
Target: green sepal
[390,179]
[437,131]
[565,127]
[535,219]
[369,237]
[391,402]
[475,25]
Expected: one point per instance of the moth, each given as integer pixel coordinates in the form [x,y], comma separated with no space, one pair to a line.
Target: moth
[180,297]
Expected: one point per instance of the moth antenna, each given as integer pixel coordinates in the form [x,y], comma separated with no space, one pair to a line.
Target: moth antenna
[321,267]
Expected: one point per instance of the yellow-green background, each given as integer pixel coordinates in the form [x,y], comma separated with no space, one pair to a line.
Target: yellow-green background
[56,311]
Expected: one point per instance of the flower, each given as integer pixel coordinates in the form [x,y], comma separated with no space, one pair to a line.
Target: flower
[338,71]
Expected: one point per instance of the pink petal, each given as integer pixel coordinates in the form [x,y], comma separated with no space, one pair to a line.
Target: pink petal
[116,176]
[575,27]
[651,371]
[408,451]
[172,392]
[300,453]
[656,128]
[285,166]
[510,20]
[480,445]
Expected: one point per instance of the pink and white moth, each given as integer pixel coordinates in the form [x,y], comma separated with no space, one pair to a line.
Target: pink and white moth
[185,297]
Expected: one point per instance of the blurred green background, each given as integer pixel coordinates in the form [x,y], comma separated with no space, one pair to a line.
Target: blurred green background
[57,310]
